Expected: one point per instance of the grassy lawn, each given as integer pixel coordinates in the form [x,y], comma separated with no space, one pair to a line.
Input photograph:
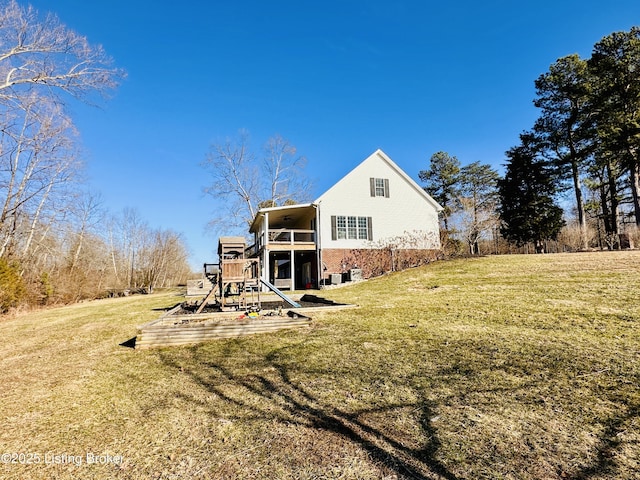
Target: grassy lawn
[512,367]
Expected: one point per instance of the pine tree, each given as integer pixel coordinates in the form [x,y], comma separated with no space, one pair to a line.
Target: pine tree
[565,126]
[528,211]
[442,182]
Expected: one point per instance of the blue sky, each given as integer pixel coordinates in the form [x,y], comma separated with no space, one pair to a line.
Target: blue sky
[338,79]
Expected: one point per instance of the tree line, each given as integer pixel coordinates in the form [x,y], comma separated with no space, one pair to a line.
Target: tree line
[57,242]
[585,142]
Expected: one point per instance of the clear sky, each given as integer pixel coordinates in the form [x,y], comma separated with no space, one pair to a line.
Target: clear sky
[338,79]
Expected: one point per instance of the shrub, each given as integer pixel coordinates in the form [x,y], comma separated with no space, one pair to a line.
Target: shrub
[394,254]
[12,288]
[46,288]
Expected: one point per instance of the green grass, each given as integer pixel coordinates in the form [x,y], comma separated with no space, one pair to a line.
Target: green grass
[513,367]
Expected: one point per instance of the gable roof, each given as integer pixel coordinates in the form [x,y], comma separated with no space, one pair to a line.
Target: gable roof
[379,155]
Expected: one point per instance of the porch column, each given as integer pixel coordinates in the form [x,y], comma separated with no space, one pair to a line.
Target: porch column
[316,238]
[266,267]
[293,270]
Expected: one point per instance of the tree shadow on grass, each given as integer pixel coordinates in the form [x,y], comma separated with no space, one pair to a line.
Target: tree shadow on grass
[610,444]
[276,396]
[268,389]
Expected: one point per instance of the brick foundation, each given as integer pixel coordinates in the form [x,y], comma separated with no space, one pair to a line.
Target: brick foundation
[373,262]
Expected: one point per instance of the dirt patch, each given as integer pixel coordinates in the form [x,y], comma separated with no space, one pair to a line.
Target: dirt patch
[306,301]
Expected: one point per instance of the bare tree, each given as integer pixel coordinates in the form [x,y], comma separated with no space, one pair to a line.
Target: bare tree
[111,231]
[235,180]
[475,221]
[478,201]
[37,163]
[133,231]
[242,184]
[88,213]
[143,257]
[164,261]
[284,172]
[44,54]
[41,61]
[42,66]
[57,247]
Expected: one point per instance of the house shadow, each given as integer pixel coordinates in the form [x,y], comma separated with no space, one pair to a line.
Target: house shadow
[276,396]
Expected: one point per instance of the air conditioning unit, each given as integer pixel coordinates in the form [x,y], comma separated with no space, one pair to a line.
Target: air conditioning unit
[355,274]
[336,278]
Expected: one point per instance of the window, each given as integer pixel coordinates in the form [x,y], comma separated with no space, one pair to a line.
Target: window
[379,187]
[363,230]
[341,227]
[351,228]
[352,224]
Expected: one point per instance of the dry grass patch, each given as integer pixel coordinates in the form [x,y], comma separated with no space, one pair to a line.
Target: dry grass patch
[506,367]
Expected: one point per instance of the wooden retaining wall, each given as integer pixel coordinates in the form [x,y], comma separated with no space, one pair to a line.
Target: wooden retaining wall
[171,330]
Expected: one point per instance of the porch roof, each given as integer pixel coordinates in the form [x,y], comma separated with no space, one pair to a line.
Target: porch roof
[288,214]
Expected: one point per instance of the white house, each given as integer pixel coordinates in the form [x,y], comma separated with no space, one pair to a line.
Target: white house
[377,202]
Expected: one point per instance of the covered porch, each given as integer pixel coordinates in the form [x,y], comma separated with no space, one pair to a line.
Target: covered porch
[286,243]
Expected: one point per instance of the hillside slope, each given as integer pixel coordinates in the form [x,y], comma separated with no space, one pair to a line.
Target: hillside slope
[501,367]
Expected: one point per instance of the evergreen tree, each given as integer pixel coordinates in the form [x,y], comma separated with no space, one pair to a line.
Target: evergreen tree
[528,211]
[565,124]
[442,182]
[615,70]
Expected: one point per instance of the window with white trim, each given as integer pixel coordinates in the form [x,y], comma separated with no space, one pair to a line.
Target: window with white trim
[351,228]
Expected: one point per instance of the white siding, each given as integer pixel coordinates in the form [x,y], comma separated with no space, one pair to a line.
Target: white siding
[408,208]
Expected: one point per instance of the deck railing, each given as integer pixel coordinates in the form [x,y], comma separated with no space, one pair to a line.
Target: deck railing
[292,237]
[283,237]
